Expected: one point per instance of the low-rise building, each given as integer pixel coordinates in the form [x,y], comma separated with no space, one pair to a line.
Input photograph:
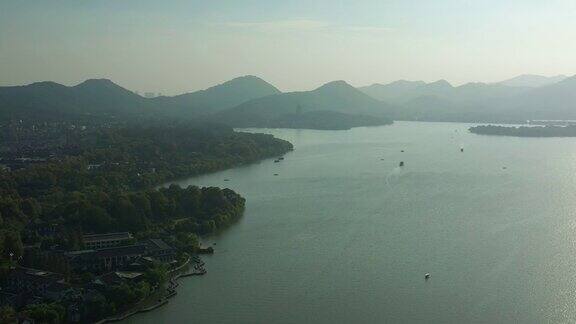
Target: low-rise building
[32,281]
[47,230]
[100,241]
[58,291]
[107,259]
[118,277]
[159,250]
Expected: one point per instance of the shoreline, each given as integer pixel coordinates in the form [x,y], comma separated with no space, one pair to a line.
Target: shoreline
[170,292]
[173,283]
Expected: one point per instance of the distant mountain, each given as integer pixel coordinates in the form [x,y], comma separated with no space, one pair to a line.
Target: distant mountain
[50,99]
[399,92]
[251,102]
[219,97]
[392,92]
[555,101]
[104,98]
[532,81]
[440,101]
[337,102]
[520,99]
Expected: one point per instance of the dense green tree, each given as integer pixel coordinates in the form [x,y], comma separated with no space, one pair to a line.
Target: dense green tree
[187,242]
[8,315]
[96,219]
[159,204]
[121,295]
[117,192]
[13,247]
[45,313]
[10,210]
[157,275]
[30,207]
[142,204]
[96,306]
[127,216]
[141,290]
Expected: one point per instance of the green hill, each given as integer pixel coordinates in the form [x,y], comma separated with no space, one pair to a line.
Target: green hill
[340,104]
[104,98]
[219,97]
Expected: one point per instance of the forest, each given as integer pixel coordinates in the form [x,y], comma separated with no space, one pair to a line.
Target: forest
[110,185]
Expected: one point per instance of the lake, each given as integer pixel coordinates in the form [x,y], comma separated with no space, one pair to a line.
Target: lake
[343,234]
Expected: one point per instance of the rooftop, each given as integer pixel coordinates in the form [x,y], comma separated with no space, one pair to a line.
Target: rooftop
[58,287]
[157,244]
[35,275]
[128,274]
[112,278]
[107,237]
[110,252]
[121,250]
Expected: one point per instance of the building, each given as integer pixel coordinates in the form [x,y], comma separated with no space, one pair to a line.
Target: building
[159,250]
[94,166]
[106,259]
[100,241]
[32,281]
[117,278]
[59,290]
[46,230]
[119,257]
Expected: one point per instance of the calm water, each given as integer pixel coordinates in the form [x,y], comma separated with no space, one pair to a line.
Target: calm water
[341,236]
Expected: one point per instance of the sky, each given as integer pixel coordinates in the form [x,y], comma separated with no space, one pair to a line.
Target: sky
[176,46]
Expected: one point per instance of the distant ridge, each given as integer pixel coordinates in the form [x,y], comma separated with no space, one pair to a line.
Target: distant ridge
[532,80]
[515,100]
[249,101]
[223,96]
[50,99]
[337,100]
[102,97]
[554,101]
[402,91]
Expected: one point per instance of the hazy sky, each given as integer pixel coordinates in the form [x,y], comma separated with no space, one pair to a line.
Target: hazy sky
[173,46]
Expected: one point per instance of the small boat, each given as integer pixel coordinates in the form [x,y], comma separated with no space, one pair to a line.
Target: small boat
[281,158]
[427,276]
[206,250]
[276,161]
[275,174]
[226,179]
[461,150]
[402,151]
[401,163]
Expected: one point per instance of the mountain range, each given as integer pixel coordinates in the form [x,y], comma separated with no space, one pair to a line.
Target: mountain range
[217,98]
[49,99]
[532,81]
[102,97]
[538,97]
[249,101]
[335,105]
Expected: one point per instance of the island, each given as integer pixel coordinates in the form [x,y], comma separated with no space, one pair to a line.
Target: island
[525,131]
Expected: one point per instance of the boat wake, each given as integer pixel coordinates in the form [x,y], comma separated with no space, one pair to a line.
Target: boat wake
[393,175]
